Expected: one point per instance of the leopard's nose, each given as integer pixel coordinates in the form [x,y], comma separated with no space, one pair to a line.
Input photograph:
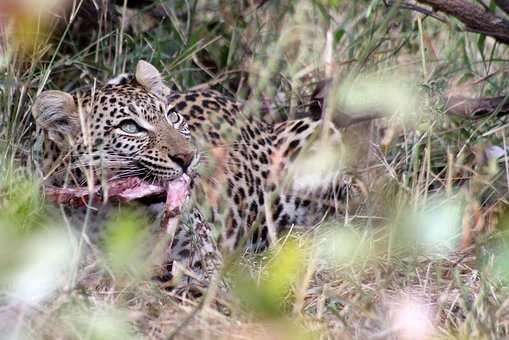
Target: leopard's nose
[183,159]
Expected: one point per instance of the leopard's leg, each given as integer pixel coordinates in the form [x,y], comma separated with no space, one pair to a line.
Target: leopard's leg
[193,258]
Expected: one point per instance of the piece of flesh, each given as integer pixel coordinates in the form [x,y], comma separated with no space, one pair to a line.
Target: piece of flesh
[127,190]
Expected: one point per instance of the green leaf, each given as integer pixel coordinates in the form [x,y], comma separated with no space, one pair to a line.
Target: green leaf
[126,243]
[268,296]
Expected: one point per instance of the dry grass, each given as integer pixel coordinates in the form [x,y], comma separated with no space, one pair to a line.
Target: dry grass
[425,258]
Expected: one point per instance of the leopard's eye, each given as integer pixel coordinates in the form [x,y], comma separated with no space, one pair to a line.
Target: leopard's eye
[173,117]
[130,126]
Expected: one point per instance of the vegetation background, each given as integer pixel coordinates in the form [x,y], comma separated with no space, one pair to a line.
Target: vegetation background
[426,258]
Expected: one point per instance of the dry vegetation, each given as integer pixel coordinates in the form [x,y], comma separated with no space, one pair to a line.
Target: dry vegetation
[427,257]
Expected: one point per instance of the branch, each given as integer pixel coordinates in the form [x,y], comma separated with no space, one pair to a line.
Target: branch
[415,8]
[467,108]
[476,108]
[474,17]
[503,5]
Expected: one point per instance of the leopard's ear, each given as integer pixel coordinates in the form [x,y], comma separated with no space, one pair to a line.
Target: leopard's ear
[56,113]
[149,77]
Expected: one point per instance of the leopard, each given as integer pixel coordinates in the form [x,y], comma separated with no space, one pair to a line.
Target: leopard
[246,189]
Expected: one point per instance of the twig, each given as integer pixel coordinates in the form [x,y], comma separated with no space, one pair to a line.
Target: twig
[503,5]
[474,17]
[415,8]
[476,108]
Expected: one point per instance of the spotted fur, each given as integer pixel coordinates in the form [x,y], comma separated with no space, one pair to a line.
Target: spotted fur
[244,189]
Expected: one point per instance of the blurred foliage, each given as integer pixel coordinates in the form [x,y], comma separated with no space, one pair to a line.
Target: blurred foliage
[35,250]
[269,295]
[383,94]
[21,205]
[126,243]
[437,183]
[433,229]
[96,322]
[338,245]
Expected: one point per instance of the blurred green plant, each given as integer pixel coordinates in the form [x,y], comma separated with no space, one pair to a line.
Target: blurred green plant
[384,94]
[433,228]
[21,205]
[318,165]
[339,245]
[95,321]
[127,245]
[269,295]
[34,249]
[496,259]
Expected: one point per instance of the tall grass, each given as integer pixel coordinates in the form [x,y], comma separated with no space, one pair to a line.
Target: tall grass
[425,258]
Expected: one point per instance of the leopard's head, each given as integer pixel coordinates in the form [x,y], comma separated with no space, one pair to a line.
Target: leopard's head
[126,127]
